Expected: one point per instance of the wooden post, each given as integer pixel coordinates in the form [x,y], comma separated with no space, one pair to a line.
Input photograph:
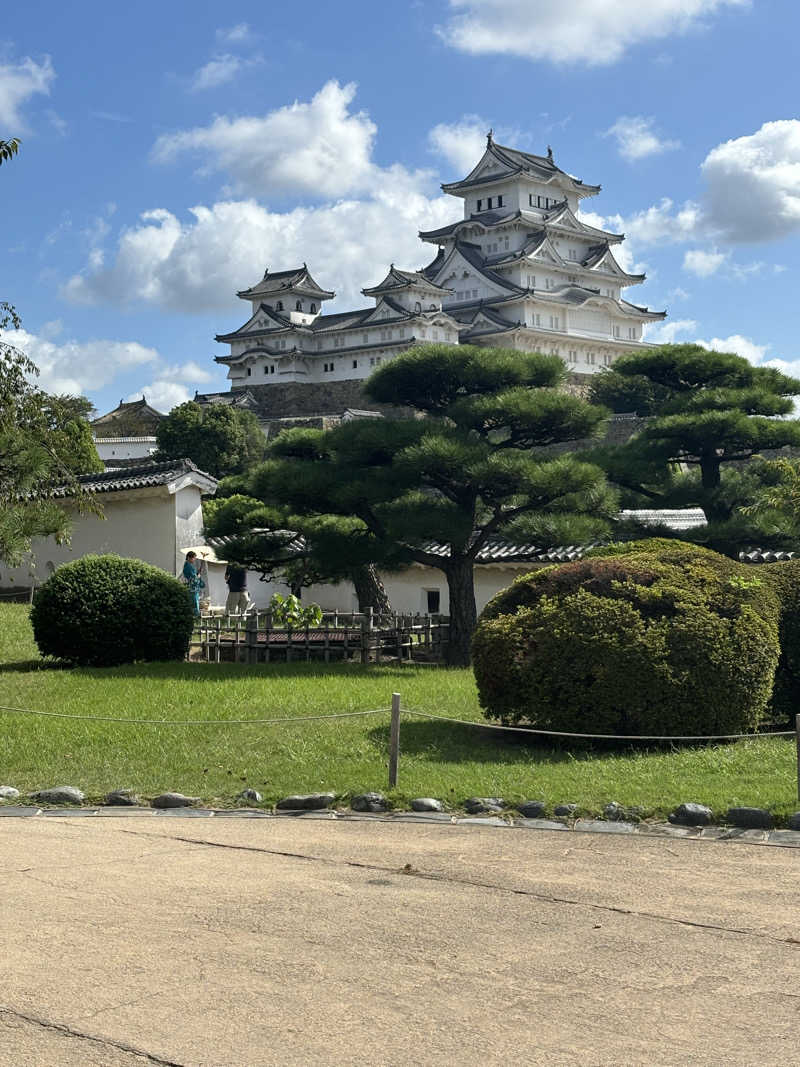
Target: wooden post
[394,740]
[797,733]
[32,590]
[366,636]
[252,638]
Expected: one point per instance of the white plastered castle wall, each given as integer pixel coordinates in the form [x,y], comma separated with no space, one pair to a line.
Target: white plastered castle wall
[137,523]
[111,448]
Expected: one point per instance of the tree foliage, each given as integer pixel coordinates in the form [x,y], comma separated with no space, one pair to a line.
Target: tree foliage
[300,550]
[708,415]
[435,489]
[8,149]
[45,442]
[219,439]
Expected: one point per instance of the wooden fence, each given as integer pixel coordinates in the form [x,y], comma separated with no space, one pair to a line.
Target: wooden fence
[340,636]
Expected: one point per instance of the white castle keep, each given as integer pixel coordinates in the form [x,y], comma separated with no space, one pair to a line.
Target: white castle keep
[520,270]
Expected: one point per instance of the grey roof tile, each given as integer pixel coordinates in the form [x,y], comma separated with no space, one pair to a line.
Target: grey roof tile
[143,476]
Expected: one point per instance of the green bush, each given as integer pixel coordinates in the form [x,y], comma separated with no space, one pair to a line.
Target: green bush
[784,579]
[633,643]
[101,611]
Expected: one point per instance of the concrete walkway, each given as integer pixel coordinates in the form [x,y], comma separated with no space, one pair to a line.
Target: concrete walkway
[286,941]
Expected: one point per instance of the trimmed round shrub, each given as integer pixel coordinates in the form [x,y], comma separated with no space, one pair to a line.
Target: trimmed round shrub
[101,611]
[784,579]
[633,643]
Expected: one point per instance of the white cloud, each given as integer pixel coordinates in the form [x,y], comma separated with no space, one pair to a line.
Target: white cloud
[753,183]
[78,366]
[741,346]
[18,83]
[317,147]
[594,32]
[61,126]
[703,264]
[461,143]
[172,386]
[198,264]
[666,333]
[217,71]
[238,34]
[661,224]
[637,138]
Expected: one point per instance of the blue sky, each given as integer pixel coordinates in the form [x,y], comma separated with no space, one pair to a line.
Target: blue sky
[170,152]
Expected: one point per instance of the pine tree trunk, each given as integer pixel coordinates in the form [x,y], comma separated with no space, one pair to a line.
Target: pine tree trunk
[463,613]
[369,589]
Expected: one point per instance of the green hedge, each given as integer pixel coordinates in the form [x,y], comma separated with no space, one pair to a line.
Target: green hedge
[784,579]
[104,610]
[642,641]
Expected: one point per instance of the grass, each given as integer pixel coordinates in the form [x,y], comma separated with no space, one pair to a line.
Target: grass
[343,755]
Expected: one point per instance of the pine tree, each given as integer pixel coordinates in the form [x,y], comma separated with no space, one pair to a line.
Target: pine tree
[474,464]
[707,414]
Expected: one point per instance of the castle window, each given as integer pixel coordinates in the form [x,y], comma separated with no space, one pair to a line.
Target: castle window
[499,201]
[480,205]
[299,305]
[489,203]
[554,322]
[417,305]
[538,201]
[355,364]
[313,309]
[616,331]
[249,371]
[474,294]
[608,360]
[272,368]
[279,306]
[573,254]
[590,357]
[632,333]
[364,338]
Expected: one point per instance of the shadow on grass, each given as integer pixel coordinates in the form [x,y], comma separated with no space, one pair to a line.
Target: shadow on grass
[26,666]
[216,672]
[455,743]
[224,672]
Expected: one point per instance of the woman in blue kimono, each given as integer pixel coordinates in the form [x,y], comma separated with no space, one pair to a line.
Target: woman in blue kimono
[194,582]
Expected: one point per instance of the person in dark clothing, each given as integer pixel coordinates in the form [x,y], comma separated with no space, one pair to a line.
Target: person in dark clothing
[238,598]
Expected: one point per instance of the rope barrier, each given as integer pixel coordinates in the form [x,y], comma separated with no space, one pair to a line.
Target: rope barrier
[598,737]
[380,711]
[195,722]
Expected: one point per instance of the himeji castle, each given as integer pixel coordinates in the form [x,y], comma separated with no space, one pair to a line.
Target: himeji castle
[520,270]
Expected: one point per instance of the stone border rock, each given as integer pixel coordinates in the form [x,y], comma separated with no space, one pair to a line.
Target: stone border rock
[487,810]
[781,838]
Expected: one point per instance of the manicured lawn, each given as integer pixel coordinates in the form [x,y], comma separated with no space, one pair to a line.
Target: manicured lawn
[442,760]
